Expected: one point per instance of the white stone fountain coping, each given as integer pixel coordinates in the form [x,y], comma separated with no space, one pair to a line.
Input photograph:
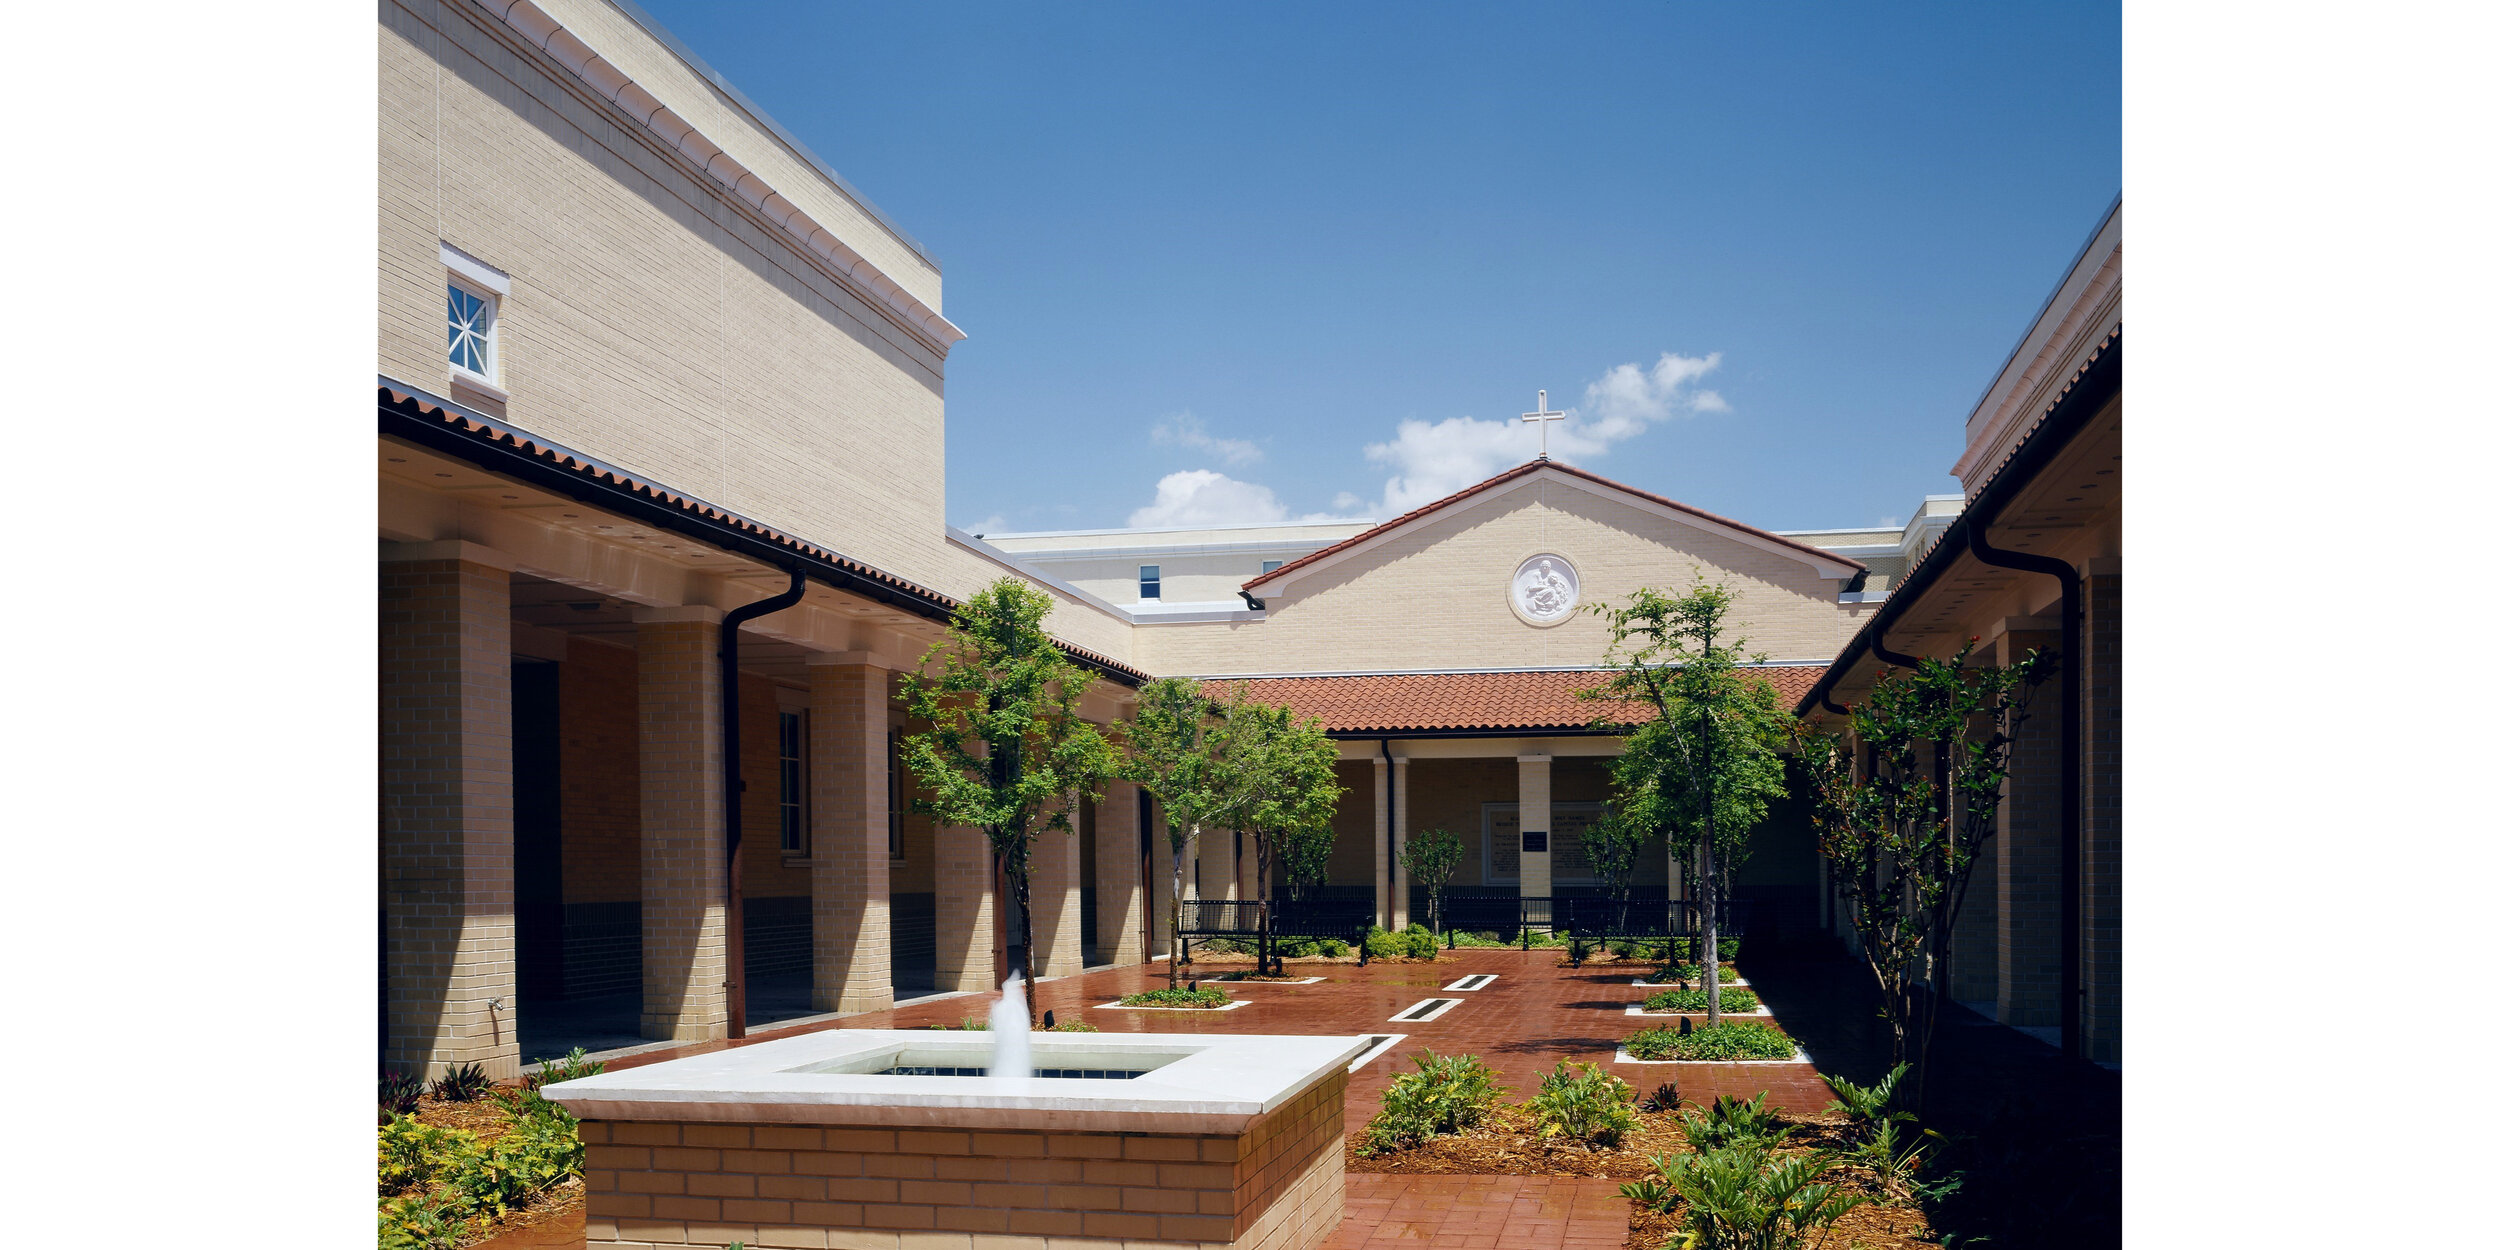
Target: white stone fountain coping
[1200,1083]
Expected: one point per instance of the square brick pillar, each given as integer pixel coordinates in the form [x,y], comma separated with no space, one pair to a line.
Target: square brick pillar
[848,879]
[1058,899]
[1383,847]
[446,780]
[1218,866]
[685,867]
[2028,906]
[1119,877]
[2101,804]
[1159,880]
[1403,894]
[1974,974]
[967,911]
[1536,815]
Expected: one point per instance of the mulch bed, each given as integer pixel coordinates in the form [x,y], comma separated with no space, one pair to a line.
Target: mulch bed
[485,1117]
[1506,1144]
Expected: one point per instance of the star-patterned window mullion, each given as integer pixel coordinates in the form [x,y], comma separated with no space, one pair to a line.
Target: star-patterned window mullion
[471,325]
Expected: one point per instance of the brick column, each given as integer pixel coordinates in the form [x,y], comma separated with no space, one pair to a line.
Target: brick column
[685,869]
[1404,893]
[2028,906]
[1217,865]
[446,779]
[848,880]
[1382,846]
[1119,890]
[1974,973]
[1536,815]
[967,911]
[1159,882]
[1058,903]
[2101,775]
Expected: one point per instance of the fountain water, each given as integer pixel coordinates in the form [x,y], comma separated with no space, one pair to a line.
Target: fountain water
[1011,1031]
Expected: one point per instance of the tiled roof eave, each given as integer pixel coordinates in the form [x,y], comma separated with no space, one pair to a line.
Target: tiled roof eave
[443,426]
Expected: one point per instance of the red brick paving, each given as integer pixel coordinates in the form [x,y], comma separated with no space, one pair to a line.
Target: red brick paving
[1481,1213]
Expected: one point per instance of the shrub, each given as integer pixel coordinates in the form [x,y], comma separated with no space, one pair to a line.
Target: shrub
[1220,946]
[1385,944]
[1296,948]
[1728,1039]
[1740,1198]
[1867,1107]
[1443,1095]
[1073,1024]
[1666,1097]
[1535,939]
[1734,1122]
[572,1067]
[1735,1000]
[444,1178]
[1420,943]
[1173,998]
[462,1083]
[1693,972]
[399,1093]
[1465,938]
[1586,1105]
[1333,947]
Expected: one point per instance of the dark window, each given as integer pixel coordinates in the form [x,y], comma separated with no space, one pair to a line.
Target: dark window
[794,783]
[1150,581]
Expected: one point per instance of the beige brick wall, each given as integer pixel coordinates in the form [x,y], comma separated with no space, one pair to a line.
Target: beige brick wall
[1435,595]
[653,321]
[849,867]
[684,864]
[602,797]
[967,910]
[1280,1186]
[1119,879]
[1058,906]
[446,765]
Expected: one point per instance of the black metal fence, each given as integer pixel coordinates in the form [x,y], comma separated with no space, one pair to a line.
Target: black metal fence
[1314,918]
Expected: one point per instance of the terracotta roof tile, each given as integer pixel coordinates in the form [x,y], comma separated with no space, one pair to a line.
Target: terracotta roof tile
[1515,701]
[1522,471]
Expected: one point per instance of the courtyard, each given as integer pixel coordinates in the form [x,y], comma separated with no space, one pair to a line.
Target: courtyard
[1537,1011]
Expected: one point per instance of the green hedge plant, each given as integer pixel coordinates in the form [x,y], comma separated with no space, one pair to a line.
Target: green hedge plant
[1728,1039]
[1176,998]
[1730,1000]
[1444,1095]
[1579,1103]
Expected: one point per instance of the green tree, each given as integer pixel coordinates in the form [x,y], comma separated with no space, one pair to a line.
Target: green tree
[1705,768]
[1279,781]
[1171,752]
[1903,815]
[1613,846]
[1005,751]
[1430,858]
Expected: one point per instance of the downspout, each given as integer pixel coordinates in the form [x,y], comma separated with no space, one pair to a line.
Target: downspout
[735,787]
[2069,772]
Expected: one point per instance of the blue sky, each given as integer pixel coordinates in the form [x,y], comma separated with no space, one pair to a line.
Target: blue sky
[1243,262]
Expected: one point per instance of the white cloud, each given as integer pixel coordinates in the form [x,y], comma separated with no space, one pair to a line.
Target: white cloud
[994,523]
[1205,497]
[1187,430]
[1430,460]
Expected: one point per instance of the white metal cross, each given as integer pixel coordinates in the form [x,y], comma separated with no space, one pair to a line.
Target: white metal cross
[1540,419]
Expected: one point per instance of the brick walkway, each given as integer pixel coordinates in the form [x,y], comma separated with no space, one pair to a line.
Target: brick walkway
[1480,1213]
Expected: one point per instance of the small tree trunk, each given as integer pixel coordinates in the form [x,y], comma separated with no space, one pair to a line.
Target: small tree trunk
[1267,906]
[1020,879]
[1172,955]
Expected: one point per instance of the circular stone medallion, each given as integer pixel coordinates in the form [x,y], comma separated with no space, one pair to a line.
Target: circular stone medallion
[1544,590]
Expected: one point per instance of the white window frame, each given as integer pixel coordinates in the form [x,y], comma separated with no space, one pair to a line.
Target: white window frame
[1144,581]
[479,281]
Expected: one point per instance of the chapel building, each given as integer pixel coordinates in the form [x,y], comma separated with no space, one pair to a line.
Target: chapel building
[635,344]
